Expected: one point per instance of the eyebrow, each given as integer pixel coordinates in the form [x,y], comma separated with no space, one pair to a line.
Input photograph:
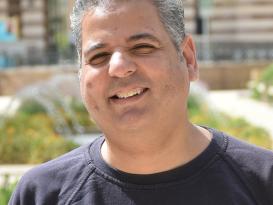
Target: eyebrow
[93,46]
[141,36]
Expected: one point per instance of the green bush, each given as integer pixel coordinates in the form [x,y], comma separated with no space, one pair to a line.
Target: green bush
[31,135]
[82,116]
[201,114]
[77,113]
[6,191]
[267,75]
[262,88]
[31,107]
[30,139]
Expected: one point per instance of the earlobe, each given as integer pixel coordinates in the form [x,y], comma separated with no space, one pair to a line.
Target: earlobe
[189,53]
[193,72]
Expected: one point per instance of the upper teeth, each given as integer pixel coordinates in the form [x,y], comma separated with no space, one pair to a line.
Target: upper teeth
[130,93]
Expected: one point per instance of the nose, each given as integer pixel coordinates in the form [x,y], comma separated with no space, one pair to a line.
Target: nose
[120,65]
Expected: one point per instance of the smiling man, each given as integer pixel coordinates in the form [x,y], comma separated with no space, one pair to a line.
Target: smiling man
[136,68]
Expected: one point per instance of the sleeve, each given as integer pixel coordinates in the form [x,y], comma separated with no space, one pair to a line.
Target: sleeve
[269,180]
[255,166]
[36,187]
[51,183]
[24,193]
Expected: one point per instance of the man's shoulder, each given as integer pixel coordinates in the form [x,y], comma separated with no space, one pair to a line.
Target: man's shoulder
[55,179]
[58,168]
[254,166]
[248,154]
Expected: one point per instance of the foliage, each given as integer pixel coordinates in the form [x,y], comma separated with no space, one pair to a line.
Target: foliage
[82,116]
[30,139]
[31,107]
[200,113]
[30,136]
[262,89]
[6,191]
[77,113]
[267,75]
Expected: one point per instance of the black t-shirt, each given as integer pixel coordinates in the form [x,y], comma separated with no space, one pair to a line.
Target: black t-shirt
[228,172]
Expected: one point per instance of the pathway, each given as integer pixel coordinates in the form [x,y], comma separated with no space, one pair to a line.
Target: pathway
[237,103]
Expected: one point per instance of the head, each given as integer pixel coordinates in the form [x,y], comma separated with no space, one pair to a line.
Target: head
[133,78]
[171,14]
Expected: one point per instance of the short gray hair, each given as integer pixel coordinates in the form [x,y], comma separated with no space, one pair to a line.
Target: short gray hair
[171,13]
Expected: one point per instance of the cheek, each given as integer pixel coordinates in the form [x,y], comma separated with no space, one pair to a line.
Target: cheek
[177,82]
[91,89]
[180,74]
[91,80]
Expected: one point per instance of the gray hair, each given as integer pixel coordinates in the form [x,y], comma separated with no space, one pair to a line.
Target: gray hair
[171,13]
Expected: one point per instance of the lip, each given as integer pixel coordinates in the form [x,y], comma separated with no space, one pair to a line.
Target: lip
[129,99]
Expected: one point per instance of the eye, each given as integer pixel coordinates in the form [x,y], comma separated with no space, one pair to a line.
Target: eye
[143,49]
[99,59]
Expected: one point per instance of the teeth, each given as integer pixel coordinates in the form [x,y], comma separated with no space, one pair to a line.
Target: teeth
[130,94]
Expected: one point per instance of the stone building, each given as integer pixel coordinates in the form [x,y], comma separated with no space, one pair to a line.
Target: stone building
[41,28]
[27,19]
[233,28]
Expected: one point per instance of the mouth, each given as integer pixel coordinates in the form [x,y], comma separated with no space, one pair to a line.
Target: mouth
[129,95]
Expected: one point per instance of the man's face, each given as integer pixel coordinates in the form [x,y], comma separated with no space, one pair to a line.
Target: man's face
[132,76]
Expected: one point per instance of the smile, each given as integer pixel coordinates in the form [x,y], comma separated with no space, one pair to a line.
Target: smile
[124,95]
[134,93]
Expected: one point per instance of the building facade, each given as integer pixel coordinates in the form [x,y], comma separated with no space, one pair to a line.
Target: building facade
[41,28]
[232,29]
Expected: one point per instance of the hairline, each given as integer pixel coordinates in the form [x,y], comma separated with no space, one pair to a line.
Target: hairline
[107,7]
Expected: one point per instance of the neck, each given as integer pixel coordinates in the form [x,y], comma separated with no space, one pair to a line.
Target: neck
[156,153]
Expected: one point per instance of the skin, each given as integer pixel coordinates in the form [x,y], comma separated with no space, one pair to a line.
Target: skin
[127,48]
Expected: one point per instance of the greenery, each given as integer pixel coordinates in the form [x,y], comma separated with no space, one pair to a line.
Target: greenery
[77,113]
[29,136]
[82,116]
[30,139]
[200,113]
[262,89]
[6,191]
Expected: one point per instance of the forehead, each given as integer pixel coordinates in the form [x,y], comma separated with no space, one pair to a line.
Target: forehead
[121,20]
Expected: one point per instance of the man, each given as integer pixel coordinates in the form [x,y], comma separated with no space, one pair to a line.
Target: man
[136,68]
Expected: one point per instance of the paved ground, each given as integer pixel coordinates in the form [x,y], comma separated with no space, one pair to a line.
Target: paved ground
[237,103]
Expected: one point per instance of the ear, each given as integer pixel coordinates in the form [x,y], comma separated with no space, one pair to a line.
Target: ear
[189,53]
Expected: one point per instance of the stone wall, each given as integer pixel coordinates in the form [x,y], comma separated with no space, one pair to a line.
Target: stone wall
[216,76]
[12,80]
[227,76]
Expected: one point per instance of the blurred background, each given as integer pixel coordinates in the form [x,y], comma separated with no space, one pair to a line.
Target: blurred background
[37,32]
[41,113]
